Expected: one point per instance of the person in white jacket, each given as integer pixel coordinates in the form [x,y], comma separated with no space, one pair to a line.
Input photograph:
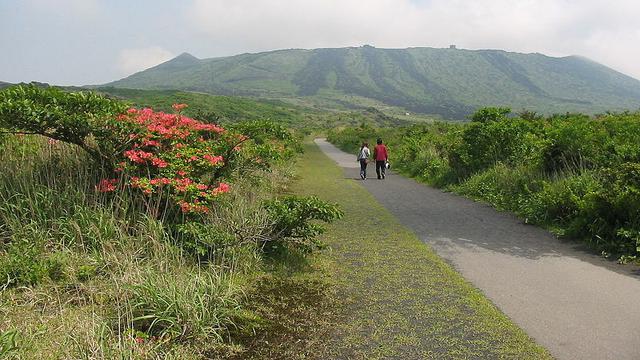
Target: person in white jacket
[363,158]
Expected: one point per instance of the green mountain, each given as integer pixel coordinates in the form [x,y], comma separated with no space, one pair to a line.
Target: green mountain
[449,82]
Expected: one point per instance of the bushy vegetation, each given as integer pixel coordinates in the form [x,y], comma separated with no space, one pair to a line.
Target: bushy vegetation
[134,233]
[575,174]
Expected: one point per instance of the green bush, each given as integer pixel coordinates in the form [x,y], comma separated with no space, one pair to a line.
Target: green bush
[505,187]
[484,144]
[292,218]
[79,118]
[203,240]
[490,114]
[561,201]
[26,263]
[573,173]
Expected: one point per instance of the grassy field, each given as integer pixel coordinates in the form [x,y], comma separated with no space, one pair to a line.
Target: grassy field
[394,297]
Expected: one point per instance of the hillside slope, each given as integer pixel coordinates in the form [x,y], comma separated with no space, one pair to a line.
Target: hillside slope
[448,82]
[225,109]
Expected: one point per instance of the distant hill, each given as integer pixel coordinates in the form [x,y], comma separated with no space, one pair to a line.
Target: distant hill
[4,84]
[226,109]
[448,82]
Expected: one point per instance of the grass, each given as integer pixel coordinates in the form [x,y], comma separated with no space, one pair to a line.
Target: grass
[397,298]
[94,278]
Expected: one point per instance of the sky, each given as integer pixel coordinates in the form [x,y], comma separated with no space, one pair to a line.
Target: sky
[82,42]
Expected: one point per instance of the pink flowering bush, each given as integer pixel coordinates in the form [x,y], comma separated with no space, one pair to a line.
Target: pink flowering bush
[163,156]
[173,155]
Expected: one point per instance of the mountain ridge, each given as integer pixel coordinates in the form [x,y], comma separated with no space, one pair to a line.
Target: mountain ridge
[451,83]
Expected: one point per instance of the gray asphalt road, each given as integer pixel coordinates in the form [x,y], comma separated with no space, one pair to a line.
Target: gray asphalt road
[577,305]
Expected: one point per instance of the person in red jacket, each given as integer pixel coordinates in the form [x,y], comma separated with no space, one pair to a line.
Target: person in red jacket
[381,156]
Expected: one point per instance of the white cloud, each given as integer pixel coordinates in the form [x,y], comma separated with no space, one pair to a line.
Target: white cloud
[606,31]
[134,60]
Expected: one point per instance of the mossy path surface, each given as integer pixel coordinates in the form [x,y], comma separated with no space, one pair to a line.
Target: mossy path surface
[396,298]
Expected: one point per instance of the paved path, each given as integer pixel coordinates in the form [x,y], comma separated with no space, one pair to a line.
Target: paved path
[577,305]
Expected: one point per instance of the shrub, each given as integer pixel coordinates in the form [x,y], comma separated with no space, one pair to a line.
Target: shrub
[79,118]
[505,187]
[292,216]
[490,114]
[26,263]
[203,240]
[483,144]
[182,161]
[561,201]
[610,218]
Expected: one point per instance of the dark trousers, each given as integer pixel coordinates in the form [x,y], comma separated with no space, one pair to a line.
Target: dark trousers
[363,168]
[381,167]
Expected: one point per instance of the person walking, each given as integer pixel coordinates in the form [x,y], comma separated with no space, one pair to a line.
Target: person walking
[382,156]
[363,158]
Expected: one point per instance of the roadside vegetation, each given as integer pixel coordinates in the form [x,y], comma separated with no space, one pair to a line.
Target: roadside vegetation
[137,234]
[575,174]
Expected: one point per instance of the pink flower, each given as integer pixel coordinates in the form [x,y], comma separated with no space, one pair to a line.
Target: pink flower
[178,107]
[221,189]
[107,185]
[213,160]
[159,163]
[132,111]
[151,143]
[184,206]
[202,187]
[137,156]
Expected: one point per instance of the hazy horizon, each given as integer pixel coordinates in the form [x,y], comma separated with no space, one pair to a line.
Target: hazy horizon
[86,42]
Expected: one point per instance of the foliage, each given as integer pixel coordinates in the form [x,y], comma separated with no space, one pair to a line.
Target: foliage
[8,343]
[172,159]
[487,142]
[271,143]
[26,263]
[79,118]
[489,114]
[573,173]
[292,216]
[191,307]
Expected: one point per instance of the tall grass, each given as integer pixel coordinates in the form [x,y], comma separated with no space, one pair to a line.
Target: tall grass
[106,276]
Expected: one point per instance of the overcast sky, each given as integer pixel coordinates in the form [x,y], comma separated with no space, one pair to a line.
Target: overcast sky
[78,42]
